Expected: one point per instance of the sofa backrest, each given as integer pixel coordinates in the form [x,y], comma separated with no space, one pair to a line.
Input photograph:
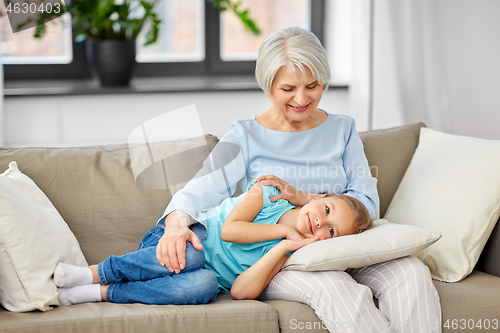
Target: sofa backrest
[94,188]
[389,152]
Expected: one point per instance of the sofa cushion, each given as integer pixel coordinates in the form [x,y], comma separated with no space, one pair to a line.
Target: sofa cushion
[475,298]
[298,317]
[94,190]
[451,186]
[223,315]
[385,241]
[33,239]
[389,153]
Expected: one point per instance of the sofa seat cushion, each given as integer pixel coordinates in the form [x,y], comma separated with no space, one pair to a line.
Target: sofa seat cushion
[477,297]
[223,315]
[297,317]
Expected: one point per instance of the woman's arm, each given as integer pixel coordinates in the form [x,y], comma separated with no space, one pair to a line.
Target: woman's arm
[238,227]
[250,283]
[206,190]
[361,184]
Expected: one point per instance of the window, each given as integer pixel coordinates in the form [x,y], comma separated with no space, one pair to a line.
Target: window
[182,31]
[22,48]
[238,44]
[195,39]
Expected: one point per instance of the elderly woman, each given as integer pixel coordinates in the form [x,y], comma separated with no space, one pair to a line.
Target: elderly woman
[306,152]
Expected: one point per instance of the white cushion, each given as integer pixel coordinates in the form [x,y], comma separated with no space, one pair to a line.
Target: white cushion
[452,186]
[385,241]
[33,239]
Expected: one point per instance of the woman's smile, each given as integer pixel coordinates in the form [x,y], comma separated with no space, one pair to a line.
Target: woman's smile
[299,108]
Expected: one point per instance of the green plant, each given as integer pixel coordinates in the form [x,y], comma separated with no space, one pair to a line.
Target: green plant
[224,5]
[104,19]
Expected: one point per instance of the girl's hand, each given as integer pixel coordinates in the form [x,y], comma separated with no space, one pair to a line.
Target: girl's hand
[290,245]
[293,234]
[294,196]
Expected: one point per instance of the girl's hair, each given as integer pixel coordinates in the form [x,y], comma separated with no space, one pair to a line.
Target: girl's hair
[291,48]
[362,218]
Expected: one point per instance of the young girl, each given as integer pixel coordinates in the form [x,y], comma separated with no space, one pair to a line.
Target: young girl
[247,243]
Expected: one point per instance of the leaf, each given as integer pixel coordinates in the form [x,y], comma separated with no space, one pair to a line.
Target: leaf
[92,18]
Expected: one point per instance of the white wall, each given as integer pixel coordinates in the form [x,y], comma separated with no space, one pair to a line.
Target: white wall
[438,62]
[103,119]
[468,31]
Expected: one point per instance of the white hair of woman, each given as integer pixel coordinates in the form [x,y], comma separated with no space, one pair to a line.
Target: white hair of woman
[292,48]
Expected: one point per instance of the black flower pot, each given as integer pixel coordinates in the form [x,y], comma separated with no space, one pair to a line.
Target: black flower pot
[114,61]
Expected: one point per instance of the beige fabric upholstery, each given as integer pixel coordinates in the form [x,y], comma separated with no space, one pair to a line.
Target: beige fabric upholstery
[297,317]
[95,192]
[489,262]
[477,297]
[389,152]
[224,315]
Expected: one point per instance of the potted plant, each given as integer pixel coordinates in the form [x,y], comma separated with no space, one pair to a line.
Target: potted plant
[111,30]
[112,26]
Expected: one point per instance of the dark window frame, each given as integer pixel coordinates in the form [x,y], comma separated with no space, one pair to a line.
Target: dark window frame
[212,65]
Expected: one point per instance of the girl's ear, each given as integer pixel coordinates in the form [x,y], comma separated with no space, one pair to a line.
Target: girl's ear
[322,196]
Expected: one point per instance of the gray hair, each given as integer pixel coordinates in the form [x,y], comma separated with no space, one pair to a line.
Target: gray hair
[291,48]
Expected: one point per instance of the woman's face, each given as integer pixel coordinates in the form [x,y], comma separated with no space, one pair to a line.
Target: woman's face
[295,100]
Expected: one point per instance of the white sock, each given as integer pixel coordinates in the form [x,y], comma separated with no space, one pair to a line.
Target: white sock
[67,276]
[80,294]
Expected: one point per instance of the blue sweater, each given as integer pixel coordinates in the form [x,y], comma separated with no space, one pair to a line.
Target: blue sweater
[326,159]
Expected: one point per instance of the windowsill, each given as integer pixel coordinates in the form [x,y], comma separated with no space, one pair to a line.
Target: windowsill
[137,86]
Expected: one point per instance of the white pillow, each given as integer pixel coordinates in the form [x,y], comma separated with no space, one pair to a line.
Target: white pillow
[452,186]
[385,241]
[33,239]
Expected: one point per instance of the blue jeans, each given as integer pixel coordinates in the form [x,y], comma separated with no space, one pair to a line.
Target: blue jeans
[138,277]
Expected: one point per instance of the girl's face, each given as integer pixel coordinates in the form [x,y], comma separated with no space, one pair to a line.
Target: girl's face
[326,217]
[295,100]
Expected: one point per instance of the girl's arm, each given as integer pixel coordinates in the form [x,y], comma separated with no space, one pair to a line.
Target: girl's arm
[238,227]
[254,280]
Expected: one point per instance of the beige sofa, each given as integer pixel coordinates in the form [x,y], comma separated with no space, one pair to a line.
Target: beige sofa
[94,190]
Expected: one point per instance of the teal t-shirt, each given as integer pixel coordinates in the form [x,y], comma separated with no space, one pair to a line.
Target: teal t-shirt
[229,260]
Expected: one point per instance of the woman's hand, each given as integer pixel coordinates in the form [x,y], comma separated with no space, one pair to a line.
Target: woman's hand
[171,248]
[292,195]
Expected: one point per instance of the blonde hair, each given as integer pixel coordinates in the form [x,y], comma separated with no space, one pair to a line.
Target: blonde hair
[362,219]
[291,48]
